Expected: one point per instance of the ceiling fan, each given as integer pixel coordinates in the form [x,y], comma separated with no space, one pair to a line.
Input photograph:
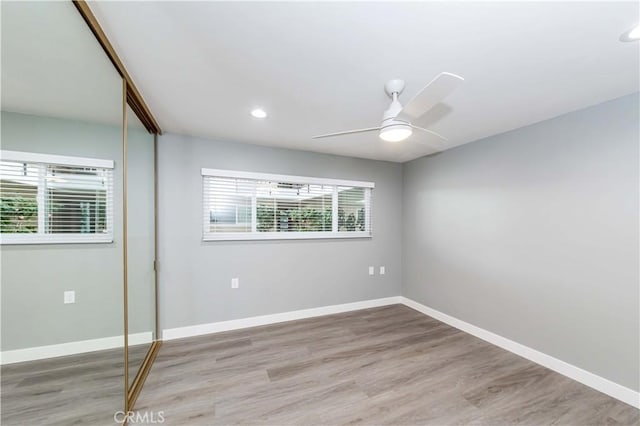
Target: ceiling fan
[397,120]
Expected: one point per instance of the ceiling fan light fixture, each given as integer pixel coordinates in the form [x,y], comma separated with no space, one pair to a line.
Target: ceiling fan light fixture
[396,120]
[258,113]
[631,35]
[395,132]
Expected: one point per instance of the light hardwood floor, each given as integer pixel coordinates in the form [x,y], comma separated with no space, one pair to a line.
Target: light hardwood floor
[84,389]
[389,365]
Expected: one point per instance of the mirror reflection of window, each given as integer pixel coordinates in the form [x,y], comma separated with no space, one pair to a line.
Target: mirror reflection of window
[76,200]
[18,198]
[44,199]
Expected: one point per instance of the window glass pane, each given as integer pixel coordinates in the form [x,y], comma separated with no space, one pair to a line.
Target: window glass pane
[78,211]
[266,205]
[351,209]
[18,198]
[290,207]
[75,200]
[228,204]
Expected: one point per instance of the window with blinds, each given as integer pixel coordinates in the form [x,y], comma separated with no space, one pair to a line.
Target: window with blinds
[55,199]
[244,205]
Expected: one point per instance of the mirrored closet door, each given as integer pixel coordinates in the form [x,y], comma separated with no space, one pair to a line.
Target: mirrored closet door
[77,221]
[61,193]
[141,244]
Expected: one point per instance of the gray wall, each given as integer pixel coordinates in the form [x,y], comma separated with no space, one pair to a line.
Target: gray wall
[533,235]
[275,276]
[34,277]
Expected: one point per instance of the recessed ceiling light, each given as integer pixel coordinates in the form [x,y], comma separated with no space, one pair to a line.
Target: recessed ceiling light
[631,35]
[259,113]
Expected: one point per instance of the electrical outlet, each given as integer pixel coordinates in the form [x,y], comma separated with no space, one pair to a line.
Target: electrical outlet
[372,270]
[235,282]
[69,296]
[382,270]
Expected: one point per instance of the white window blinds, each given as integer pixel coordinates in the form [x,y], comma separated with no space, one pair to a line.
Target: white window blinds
[55,199]
[243,205]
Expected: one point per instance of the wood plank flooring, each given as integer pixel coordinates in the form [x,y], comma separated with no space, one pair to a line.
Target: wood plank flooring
[84,389]
[389,365]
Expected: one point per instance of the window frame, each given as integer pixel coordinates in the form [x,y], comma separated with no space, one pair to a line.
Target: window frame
[296,235]
[42,161]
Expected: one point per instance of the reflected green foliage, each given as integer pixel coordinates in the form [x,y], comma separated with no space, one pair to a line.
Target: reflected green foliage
[18,215]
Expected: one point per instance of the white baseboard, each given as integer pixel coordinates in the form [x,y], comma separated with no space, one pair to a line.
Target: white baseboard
[72,348]
[216,327]
[594,381]
[141,338]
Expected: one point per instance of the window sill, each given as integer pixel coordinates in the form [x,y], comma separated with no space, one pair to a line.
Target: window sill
[239,236]
[54,239]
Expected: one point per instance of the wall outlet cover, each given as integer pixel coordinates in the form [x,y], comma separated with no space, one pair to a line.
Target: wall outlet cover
[372,270]
[69,296]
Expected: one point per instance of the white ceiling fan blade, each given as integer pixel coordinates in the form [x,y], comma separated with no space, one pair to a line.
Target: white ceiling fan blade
[348,132]
[434,92]
[430,131]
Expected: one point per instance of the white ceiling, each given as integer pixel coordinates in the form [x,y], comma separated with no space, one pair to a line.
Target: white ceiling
[320,67]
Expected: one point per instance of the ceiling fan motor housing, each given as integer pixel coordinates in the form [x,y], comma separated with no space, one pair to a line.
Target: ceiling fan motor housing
[392,129]
[393,89]
[394,86]
[391,113]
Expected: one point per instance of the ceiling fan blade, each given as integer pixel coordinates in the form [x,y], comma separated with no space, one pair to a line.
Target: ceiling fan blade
[348,132]
[430,131]
[434,92]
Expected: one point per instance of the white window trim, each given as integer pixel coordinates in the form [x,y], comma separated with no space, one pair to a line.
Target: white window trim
[13,239]
[285,178]
[254,235]
[33,157]
[246,236]
[41,237]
